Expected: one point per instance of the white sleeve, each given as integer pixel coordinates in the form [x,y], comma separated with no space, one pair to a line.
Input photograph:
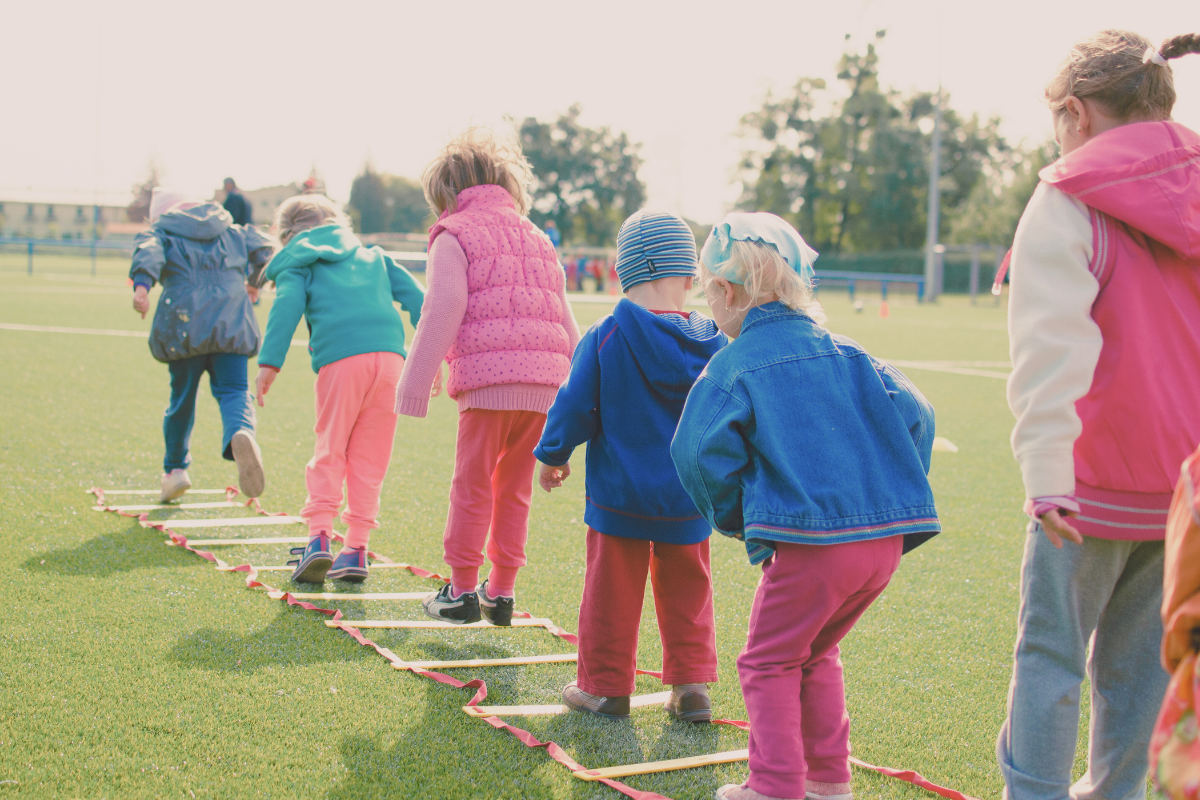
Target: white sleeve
[1054,342]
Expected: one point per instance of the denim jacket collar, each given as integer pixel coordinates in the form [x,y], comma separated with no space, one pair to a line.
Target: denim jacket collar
[768,312]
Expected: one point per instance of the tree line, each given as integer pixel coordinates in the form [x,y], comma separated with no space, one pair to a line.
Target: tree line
[847,163]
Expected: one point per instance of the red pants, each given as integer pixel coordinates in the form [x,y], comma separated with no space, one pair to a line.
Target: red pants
[491,490]
[808,599]
[611,612]
[356,425]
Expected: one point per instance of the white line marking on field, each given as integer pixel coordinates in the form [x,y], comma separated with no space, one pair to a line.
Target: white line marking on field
[935,366]
[15,326]
[944,445]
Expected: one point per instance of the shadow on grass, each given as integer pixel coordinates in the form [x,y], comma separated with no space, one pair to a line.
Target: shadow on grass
[134,549]
[290,639]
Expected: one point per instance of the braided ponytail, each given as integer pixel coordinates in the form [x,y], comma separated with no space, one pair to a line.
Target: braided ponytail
[1181,45]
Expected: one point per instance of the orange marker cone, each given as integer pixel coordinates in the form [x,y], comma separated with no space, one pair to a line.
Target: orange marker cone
[883,310]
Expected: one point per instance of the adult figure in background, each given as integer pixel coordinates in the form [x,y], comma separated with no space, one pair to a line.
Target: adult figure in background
[551,230]
[236,204]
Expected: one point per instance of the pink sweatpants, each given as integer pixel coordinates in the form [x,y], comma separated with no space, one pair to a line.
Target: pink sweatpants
[611,612]
[356,425]
[491,489]
[808,599]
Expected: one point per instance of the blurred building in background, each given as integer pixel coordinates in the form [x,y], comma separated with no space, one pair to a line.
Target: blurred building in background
[34,214]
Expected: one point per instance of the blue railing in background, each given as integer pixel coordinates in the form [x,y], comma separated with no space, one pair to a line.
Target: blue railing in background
[93,247]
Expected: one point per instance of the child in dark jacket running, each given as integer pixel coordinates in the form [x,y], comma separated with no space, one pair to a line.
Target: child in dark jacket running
[629,378]
[797,442]
[345,292]
[204,323]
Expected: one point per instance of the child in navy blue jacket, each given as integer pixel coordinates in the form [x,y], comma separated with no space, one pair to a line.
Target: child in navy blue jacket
[798,443]
[629,379]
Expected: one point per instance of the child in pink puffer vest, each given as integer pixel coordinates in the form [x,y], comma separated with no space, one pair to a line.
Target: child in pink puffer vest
[496,309]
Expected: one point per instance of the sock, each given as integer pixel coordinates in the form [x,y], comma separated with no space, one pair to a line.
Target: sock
[463,580]
[320,525]
[357,538]
[502,581]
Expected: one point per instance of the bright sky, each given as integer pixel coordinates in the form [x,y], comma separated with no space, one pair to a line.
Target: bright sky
[262,91]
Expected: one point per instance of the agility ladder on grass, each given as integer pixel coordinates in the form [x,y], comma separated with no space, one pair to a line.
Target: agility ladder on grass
[489,714]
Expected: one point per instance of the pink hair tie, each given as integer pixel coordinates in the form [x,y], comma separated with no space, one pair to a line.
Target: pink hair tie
[1153,55]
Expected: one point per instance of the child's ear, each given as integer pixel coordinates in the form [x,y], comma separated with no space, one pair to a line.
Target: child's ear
[691,281]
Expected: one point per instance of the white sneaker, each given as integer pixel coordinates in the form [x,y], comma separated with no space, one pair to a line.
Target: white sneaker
[174,484]
[251,479]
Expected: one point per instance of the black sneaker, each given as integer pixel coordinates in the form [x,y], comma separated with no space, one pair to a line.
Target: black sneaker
[498,609]
[460,610]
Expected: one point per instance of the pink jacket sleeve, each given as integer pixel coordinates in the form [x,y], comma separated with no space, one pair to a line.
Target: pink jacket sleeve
[442,314]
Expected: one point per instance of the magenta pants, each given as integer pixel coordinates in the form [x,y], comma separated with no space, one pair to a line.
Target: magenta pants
[808,599]
[356,425]
[490,494]
[610,613]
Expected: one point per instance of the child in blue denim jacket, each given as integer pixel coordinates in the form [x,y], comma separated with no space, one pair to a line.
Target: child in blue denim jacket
[800,444]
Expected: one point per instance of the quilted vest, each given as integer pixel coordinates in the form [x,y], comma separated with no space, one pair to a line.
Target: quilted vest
[513,330]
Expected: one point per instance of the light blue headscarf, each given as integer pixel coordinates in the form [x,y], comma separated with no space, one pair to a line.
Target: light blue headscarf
[762,227]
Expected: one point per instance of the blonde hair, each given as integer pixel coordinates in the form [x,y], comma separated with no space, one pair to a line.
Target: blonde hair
[476,158]
[306,211]
[763,273]
[1114,69]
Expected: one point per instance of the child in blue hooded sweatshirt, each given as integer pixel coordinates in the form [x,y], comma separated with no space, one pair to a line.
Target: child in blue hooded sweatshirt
[815,454]
[356,339]
[629,378]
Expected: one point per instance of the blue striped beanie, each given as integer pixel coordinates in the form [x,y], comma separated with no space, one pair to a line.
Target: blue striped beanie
[653,245]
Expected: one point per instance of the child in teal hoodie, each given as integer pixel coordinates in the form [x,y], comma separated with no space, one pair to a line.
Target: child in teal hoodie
[356,340]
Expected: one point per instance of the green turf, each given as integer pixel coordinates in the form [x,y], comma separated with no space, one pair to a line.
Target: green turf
[132,669]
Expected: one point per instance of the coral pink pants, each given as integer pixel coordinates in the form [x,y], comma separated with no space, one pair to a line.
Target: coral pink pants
[491,489]
[356,425]
[611,612]
[808,599]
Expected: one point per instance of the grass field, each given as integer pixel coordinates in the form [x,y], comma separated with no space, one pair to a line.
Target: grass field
[131,669]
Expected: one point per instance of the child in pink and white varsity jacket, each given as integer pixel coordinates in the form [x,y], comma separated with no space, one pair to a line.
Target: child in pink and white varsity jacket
[1104,324]
[496,308]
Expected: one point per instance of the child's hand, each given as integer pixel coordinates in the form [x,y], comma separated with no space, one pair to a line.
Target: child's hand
[262,383]
[253,292]
[141,300]
[1057,528]
[552,477]
[437,383]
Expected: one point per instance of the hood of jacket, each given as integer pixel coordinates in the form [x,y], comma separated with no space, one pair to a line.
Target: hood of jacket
[203,222]
[1145,174]
[668,354]
[331,242]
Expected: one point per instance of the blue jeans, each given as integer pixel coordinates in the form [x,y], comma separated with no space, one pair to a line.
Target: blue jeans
[227,379]
[1108,592]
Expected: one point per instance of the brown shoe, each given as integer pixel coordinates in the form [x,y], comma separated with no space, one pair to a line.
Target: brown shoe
[607,707]
[690,702]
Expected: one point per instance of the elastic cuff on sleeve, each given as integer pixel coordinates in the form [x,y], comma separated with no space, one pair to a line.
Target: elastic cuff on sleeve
[413,406]
[143,283]
[1048,473]
[269,366]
